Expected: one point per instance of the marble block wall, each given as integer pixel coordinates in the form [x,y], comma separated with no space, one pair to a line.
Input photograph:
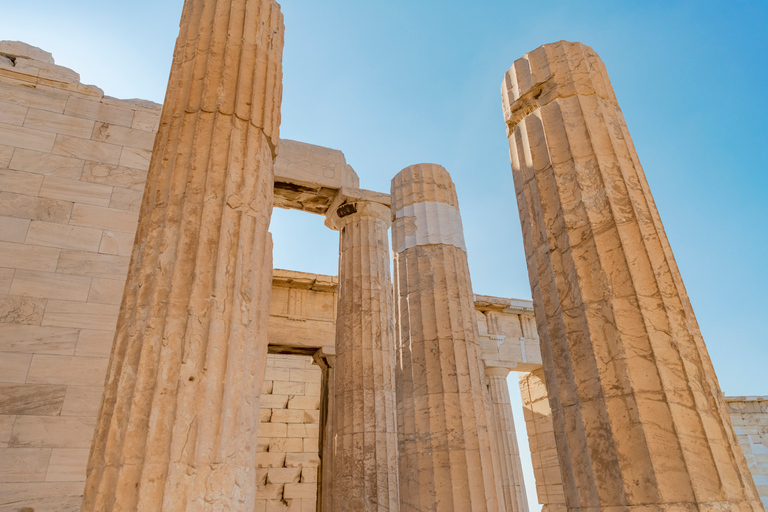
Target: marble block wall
[73,163]
[288,435]
[749,415]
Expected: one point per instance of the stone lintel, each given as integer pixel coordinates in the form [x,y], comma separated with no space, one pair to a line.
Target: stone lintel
[308,177]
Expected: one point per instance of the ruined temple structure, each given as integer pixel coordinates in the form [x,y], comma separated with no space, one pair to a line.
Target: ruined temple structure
[151,358]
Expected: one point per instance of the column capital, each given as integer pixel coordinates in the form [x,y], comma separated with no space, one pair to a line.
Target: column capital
[351,201]
[325,357]
[497,371]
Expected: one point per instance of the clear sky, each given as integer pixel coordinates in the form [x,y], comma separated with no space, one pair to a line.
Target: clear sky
[393,83]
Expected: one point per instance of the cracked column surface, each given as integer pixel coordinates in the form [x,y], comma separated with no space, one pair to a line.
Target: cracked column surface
[178,423]
[364,427]
[510,467]
[639,418]
[443,431]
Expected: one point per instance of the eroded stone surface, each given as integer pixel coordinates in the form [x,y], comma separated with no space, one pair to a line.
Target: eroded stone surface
[638,415]
[178,424]
[444,441]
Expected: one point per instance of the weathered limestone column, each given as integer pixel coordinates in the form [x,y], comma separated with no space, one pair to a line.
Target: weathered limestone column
[639,418]
[511,469]
[364,428]
[178,424]
[444,439]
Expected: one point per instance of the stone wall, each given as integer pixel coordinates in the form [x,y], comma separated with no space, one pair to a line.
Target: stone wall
[749,415]
[72,169]
[288,435]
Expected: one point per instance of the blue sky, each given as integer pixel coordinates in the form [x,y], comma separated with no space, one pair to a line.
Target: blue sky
[401,82]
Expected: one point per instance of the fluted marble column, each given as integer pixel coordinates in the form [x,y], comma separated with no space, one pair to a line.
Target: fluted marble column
[445,444]
[178,423]
[364,427]
[640,421]
[511,469]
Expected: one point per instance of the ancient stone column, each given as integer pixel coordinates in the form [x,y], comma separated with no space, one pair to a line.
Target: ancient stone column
[326,360]
[510,467]
[177,427]
[639,418]
[444,440]
[364,426]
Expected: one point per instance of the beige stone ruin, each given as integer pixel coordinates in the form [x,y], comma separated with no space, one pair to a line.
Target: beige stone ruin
[152,359]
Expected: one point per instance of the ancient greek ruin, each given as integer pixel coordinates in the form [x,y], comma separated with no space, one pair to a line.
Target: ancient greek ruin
[152,359]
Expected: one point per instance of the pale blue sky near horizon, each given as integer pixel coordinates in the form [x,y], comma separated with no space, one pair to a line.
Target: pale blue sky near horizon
[402,82]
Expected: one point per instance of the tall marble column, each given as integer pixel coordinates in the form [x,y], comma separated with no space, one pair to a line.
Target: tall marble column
[364,426]
[444,439]
[510,467]
[639,418]
[178,423]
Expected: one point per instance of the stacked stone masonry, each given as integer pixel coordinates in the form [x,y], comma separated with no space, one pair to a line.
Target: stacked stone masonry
[749,415]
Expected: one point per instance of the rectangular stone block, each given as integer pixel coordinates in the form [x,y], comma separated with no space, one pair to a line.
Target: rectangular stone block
[285,444]
[76,191]
[14,367]
[126,199]
[63,236]
[41,497]
[20,182]
[117,243]
[47,121]
[309,430]
[42,400]
[135,158]
[27,257]
[306,375]
[67,370]
[61,313]
[309,475]
[283,475]
[86,149]
[147,121]
[34,339]
[21,310]
[12,114]
[13,230]
[269,492]
[276,373]
[50,285]
[104,218]
[287,416]
[93,265]
[26,138]
[272,429]
[106,291]
[113,134]
[304,402]
[30,97]
[23,464]
[98,111]
[6,277]
[34,208]
[82,401]
[300,491]
[67,465]
[288,388]
[274,401]
[52,432]
[114,175]
[304,459]
[270,460]
[95,343]
[46,164]
[6,426]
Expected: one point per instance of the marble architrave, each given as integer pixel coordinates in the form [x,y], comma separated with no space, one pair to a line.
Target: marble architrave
[178,424]
[639,418]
